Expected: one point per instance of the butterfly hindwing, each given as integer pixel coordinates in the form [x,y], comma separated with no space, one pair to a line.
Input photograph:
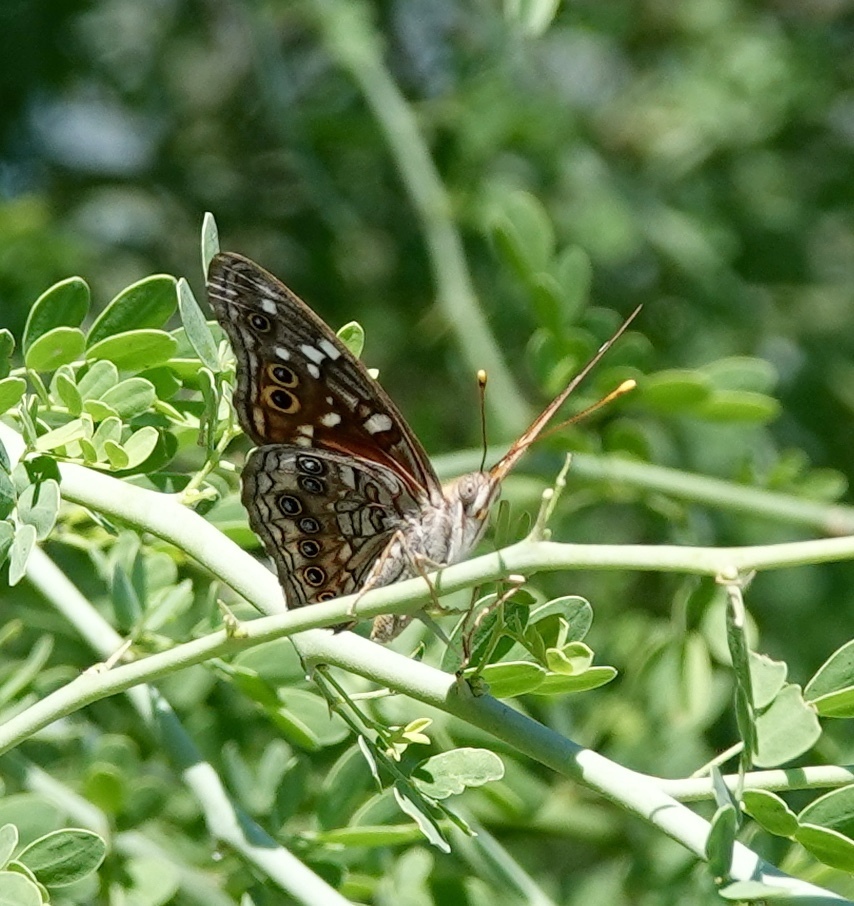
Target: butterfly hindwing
[298,384]
[324,518]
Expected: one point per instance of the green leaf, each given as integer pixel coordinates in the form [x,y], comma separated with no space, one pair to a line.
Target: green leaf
[512,678]
[148,303]
[27,672]
[449,773]
[18,890]
[196,327]
[574,273]
[7,347]
[557,684]
[8,843]
[426,822]
[523,232]
[134,350]
[787,728]
[7,534]
[32,814]
[38,506]
[98,379]
[834,675]
[738,406]
[533,17]
[65,856]
[130,397]
[59,346]
[828,846]
[126,603]
[67,393]
[140,445]
[749,891]
[109,429]
[11,391]
[344,786]
[834,810]
[327,729]
[674,390]
[98,410]
[770,812]
[116,455]
[352,335]
[571,660]
[63,305]
[370,836]
[575,611]
[721,839]
[545,296]
[166,385]
[65,434]
[22,547]
[767,678]
[153,881]
[740,656]
[836,704]
[741,373]
[210,241]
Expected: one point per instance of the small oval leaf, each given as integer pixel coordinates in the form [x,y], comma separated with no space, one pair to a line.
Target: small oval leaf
[130,397]
[449,773]
[11,391]
[38,506]
[135,350]
[513,678]
[64,856]
[62,305]
[59,346]
[148,303]
[196,327]
[22,547]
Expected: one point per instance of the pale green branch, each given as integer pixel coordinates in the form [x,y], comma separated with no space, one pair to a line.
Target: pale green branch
[164,517]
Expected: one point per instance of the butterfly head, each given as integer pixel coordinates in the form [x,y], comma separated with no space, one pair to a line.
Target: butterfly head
[471,496]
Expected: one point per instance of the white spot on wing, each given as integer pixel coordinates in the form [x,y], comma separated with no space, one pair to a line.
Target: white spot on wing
[281,353]
[269,306]
[330,420]
[329,349]
[313,370]
[312,352]
[377,423]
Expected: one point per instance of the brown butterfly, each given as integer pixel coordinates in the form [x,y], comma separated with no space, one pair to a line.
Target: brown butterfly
[339,488]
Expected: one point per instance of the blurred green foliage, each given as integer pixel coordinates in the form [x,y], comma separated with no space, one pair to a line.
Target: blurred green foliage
[696,156]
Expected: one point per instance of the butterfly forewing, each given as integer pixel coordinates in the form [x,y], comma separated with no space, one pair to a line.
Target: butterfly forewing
[324,518]
[297,384]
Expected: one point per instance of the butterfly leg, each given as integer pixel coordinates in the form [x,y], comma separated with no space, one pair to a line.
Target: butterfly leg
[388,626]
[392,554]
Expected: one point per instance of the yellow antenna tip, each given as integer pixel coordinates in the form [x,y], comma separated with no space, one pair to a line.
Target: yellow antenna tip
[481,377]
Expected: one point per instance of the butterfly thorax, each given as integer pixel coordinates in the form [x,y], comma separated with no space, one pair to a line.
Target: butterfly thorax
[441,532]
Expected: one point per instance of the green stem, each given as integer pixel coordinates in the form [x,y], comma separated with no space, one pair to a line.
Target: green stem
[225,819]
[164,517]
[352,39]
[827,518]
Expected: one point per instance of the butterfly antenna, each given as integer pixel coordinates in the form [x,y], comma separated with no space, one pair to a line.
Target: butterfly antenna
[512,456]
[481,389]
[625,387]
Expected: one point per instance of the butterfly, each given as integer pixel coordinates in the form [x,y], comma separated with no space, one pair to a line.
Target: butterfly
[338,487]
